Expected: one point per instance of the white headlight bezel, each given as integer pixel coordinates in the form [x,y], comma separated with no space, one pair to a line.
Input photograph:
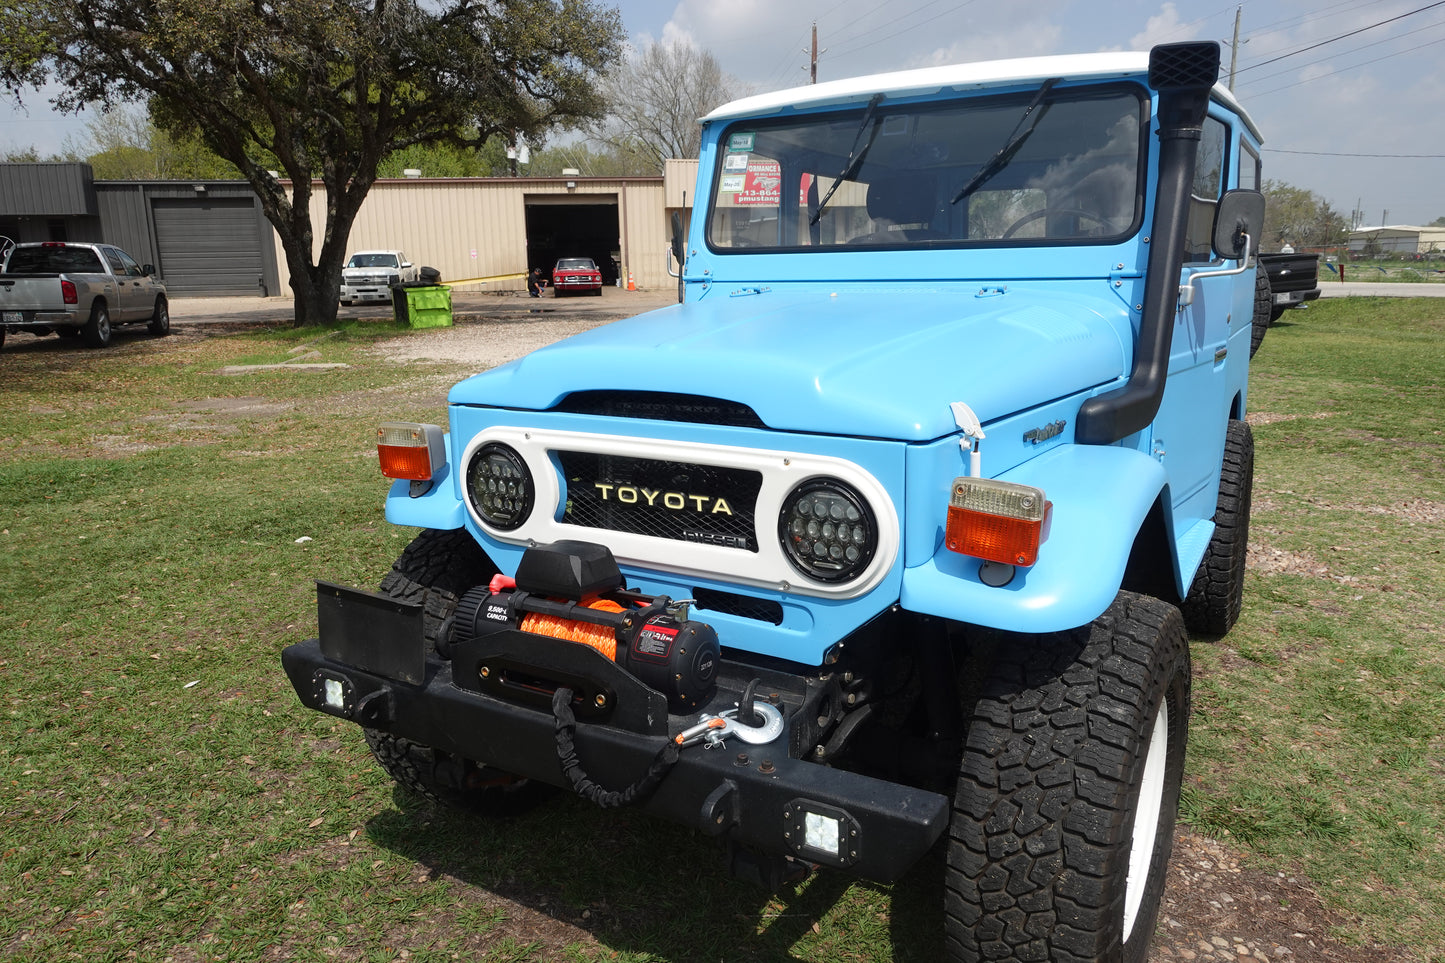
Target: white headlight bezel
[769,567]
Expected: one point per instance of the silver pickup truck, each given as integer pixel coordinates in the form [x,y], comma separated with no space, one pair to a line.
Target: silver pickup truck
[79,290]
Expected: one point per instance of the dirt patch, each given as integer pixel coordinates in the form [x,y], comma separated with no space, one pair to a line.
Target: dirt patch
[1274,561]
[1216,907]
[246,407]
[485,345]
[1257,418]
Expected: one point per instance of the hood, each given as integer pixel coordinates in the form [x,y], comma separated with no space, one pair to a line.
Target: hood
[867,364]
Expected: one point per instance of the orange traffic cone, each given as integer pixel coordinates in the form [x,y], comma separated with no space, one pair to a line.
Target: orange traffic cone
[631,285]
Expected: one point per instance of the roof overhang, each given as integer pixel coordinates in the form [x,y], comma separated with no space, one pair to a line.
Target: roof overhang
[963,78]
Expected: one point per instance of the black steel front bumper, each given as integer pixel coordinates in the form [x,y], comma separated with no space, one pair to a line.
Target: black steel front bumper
[757,795]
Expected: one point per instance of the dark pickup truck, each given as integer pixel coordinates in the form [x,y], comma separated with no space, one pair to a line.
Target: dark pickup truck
[1293,280]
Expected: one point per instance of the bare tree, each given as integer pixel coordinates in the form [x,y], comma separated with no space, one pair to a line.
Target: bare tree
[656,98]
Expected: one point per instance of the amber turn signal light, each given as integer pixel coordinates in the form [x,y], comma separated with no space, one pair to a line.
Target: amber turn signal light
[411,451]
[996,521]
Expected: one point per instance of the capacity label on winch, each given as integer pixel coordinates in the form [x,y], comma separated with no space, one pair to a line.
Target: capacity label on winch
[655,641]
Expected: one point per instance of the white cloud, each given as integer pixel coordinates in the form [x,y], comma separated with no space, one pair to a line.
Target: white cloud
[1163,27]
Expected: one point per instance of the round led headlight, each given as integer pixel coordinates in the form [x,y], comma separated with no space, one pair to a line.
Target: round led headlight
[827,530]
[499,486]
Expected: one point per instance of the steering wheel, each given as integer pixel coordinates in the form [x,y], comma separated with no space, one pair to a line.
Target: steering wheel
[1049,211]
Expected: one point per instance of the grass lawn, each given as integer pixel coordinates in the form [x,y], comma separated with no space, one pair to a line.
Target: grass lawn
[166,797]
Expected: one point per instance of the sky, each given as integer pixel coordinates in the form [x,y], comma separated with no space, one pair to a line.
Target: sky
[1349,94]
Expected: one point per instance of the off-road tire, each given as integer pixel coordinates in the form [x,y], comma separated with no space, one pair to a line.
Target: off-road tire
[1263,310]
[1074,754]
[160,323]
[435,570]
[97,330]
[1217,593]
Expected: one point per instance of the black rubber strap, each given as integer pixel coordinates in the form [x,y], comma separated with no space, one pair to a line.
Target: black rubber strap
[638,792]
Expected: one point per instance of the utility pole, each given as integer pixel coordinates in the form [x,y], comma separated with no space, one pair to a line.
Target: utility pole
[1234,46]
[813,56]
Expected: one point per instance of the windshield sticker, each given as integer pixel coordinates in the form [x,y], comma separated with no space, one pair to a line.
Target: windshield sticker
[741,142]
[735,162]
[731,184]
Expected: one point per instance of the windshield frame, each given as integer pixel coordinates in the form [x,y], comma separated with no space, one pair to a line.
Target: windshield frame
[587,264]
[747,130]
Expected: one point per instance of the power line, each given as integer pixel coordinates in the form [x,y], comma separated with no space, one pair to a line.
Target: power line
[1438,3]
[1326,153]
[1365,63]
[953,9]
[1279,26]
[1353,50]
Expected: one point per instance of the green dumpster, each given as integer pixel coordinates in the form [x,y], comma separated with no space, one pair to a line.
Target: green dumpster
[422,305]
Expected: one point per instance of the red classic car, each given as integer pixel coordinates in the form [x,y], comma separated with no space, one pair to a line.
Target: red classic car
[576,274]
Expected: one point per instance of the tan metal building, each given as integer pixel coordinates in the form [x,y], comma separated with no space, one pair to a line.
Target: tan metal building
[1397,239]
[210,237]
[491,227]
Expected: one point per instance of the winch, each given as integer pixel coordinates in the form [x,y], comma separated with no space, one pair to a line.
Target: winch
[574,591]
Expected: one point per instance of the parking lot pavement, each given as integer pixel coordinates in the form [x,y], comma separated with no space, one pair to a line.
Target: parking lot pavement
[496,304]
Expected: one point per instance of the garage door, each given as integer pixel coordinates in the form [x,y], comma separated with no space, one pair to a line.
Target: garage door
[209,246]
[573,225]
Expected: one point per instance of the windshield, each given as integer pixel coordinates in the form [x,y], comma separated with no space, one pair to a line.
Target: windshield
[372,260]
[54,260]
[914,175]
[576,264]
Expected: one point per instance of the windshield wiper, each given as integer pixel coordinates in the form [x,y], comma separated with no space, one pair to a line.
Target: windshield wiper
[1016,140]
[855,156]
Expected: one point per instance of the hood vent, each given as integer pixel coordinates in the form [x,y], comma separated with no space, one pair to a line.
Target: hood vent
[661,406]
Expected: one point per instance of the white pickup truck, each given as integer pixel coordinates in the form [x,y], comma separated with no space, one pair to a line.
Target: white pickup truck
[369,275]
[79,290]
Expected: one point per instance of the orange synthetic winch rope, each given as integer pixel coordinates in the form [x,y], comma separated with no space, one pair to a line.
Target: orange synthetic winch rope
[600,637]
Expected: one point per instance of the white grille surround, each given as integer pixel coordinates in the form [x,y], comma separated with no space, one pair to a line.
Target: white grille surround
[781,472]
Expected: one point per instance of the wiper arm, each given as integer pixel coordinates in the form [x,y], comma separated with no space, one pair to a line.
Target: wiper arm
[855,156]
[1016,140]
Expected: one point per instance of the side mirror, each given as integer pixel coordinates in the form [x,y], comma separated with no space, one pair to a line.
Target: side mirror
[147,269]
[678,249]
[677,241]
[1240,212]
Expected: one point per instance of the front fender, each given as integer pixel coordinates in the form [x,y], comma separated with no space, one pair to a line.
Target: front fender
[1100,495]
[438,508]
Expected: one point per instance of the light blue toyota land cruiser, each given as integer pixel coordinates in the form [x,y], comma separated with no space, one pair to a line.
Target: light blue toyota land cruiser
[892,533]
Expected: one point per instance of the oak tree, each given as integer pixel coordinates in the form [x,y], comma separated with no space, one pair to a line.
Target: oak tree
[319,91]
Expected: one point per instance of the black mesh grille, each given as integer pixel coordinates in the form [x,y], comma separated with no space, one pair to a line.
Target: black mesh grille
[661,406]
[644,496]
[1182,65]
[743,606]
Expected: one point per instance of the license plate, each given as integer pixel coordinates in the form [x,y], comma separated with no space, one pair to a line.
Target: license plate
[14,317]
[373,632]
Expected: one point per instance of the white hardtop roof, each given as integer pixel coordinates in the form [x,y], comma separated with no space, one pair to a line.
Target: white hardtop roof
[976,76]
